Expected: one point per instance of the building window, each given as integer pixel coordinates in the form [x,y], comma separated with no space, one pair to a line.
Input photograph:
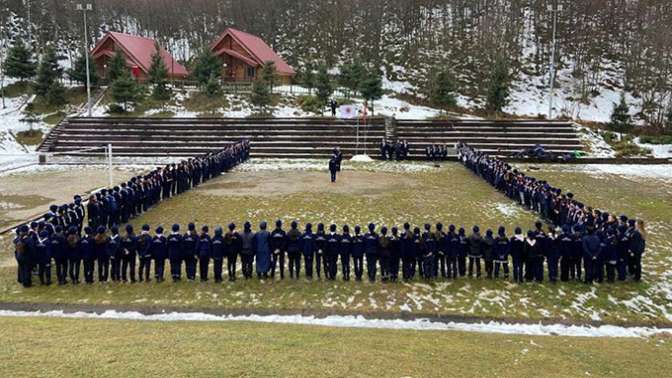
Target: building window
[251,72]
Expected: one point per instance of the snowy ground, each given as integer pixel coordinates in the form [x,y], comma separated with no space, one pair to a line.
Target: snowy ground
[12,153]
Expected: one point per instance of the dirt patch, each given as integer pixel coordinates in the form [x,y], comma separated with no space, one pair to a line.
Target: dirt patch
[281,183]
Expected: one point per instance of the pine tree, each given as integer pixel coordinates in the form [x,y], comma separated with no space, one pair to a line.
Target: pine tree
[56,94]
[323,85]
[19,62]
[116,67]
[212,87]
[261,95]
[125,90]
[498,86]
[371,87]
[48,72]
[158,75]
[205,66]
[307,78]
[269,74]
[78,71]
[350,77]
[443,89]
[621,120]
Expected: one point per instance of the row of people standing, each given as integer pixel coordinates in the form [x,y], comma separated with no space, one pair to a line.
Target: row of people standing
[611,242]
[389,254]
[109,208]
[397,150]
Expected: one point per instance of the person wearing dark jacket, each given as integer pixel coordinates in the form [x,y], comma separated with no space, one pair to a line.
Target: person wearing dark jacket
[43,256]
[278,249]
[174,243]
[333,169]
[144,254]
[129,248]
[475,252]
[357,253]
[441,248]
[611,252]
[407,251]
[500,253]
[333,248]
[189,253]
[159,252]
[552,254]
[100,248]
[488,252]
[384,253]
[565,249]
[395,254]
[247,250]
[453,247]
[308,249]
[232,242]
[218,253]
[462,252]
[592,248]
[59,251]
[517,250]
[204,249]
[637,247]
[371,251]
[74,254]
[530,253]
[345,249]
[114,253]
[320,250]
[294,250]
[23,252]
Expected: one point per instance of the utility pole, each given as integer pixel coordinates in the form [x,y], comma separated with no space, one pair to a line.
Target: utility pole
[86,8]
[553,9]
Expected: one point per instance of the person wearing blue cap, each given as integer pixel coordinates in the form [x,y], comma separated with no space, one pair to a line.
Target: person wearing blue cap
[58,250]
[333,247]
[218,253]
[189,253]
[144,254]
[204,248]
[262,250]
[100,247]
[129,252]
[592,250]
[308,249]
[293,238]
[43,256]
[565,248]
[86,245]
[159,253]
[174,242]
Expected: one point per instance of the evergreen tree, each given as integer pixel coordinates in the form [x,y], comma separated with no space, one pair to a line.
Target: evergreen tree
[19,62]
[158,76]
[498,86]
[443,89]
[323,85]
[261,95]
[125,90]
[56,94]
[621,121]
[269,74]
[116,67]
[78,71]
[307,78]
[48,72]
[212,87]
[371,87]
[668,119]
[351,76]
[205,66]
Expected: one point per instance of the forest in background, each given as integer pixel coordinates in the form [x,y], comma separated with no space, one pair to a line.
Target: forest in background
[604,44]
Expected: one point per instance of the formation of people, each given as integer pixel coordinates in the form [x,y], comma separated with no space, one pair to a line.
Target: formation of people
[397,150]
[436,152]
[57,237]
[604,241]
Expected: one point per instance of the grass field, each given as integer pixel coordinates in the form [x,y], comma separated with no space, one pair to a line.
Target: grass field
[112,348]
[393,194]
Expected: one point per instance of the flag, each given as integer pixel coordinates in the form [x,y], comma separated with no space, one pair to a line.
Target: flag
[347,111]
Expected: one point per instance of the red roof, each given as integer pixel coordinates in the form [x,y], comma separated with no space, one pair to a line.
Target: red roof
[257,48]
[140,50]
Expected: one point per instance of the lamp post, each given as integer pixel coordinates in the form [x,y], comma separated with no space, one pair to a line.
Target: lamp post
[86,8]
[553,9]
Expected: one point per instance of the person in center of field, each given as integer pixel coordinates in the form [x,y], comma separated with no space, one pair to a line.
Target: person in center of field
[333,169]
[294,250]
[262,250]
[278,247]
[371,250]
[308,249]
[357,253]
[232,241]
[144,254]
[345,251]
[159,252]
[204,248]
[189,253]
[333,244]
[475,252]
[218,253]
[320,250]
[175,252]
[247,250]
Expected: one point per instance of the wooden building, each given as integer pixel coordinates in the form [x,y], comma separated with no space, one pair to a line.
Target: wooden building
[243,54]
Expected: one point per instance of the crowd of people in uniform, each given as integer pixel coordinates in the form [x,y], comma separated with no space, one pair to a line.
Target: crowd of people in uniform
[393,150]
[436,152]
[580,238]
[60,236]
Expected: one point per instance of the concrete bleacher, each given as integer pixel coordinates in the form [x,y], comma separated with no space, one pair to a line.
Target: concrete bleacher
[298,138]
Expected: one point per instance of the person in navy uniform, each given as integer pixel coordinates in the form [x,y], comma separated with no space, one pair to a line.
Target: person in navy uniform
[333,169]
[345,251]
[294,250]
[333,247]
[395,254]
[174,244]
[575,271]
[189,253]
[428,252]
[501,253]
[407,253]
[114,253]
[247,250]
[384,254]
[278,247]
[357,253]
[552,252]
[565,249]
[592,248]
[86,244]
[462,252]
[43,257]
[232,241]
[219,251]
[440,255]
[475,252]
[371,250]
[262,251]
[159,252]
[23,245]
[308,249]
[59,251]
[74,254]
[453,248]
[320,250]
[623,244]
[100,247]
[129,252]
[611,253]
[204,248]
[517,249]
[637,247]
[144,254]
[488,252]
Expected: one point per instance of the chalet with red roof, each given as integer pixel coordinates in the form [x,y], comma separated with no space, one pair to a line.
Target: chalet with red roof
[138,52]
[243,54]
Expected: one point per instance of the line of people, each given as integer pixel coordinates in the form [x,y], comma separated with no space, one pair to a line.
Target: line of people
[377,251]
[611,243]
[109,208]
[393,150]
[436,152]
